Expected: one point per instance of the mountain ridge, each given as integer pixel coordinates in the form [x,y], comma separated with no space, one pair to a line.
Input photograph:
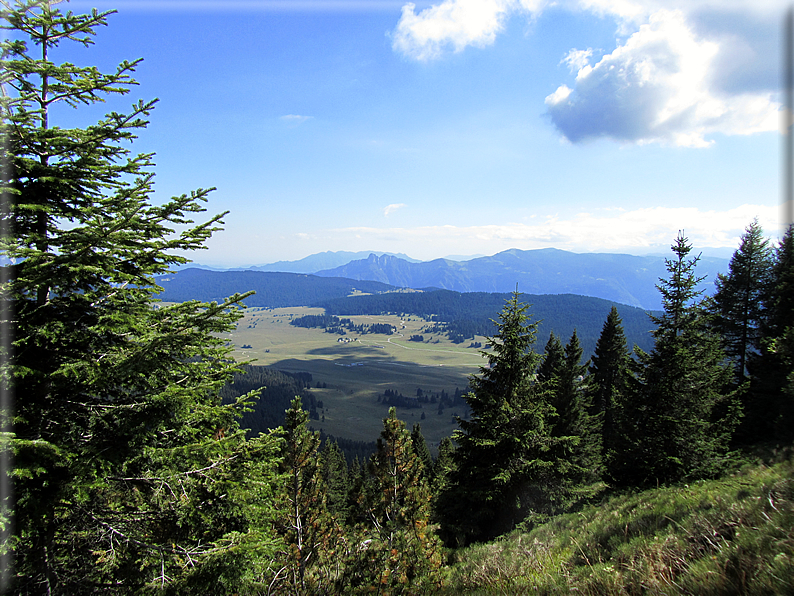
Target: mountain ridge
[626,279]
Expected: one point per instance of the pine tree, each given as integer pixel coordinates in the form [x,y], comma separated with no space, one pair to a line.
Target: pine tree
[684,414]
[770,410]
[422,452]
[738,303]
[553,357]
[506,464]
[442,469]
[399,552]
[129,471]
[337,482]
[575,418]
[311,536]
[611,385]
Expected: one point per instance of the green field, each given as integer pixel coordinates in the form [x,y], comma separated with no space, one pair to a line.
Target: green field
[357,372]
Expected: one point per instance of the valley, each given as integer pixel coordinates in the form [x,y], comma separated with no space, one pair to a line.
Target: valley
[352,374]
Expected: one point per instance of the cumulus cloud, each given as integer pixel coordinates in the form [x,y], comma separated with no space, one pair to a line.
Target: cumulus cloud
[681,71]
[657,86]
[389,209]
[451,24]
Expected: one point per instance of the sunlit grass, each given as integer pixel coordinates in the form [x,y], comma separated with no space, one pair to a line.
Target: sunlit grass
[729,536]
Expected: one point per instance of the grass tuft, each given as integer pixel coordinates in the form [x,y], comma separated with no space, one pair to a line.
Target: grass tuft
[729,536]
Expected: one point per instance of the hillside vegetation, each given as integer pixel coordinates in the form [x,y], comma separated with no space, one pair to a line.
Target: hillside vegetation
[729,536]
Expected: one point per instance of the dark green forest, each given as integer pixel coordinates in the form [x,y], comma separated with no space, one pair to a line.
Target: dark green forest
[273,290]
[141,463]
[461,316]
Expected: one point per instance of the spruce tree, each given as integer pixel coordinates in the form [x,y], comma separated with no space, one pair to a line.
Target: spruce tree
[575,417]
[422,452]
[337,482]
[610,385]
[505,464]
[311,536]
[396,550]
[129,472]
[553,357]
[684,414]
[738,303]
[770,407]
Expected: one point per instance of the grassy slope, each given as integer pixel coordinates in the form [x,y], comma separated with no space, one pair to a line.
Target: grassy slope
[729,536]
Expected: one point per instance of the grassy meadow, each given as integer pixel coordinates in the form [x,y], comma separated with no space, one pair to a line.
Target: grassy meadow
[730,536]
[355,373]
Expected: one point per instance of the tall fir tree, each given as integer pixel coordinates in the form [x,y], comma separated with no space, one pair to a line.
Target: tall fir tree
[575,416]
[337,482]
[312,537]
[739,303]
[770,407]
[129,471]
[506,464]
[553,357]
[422,452]
[396,550]
[684,414]
[611,386]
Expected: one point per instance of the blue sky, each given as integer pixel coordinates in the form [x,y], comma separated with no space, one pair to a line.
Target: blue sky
[458,127]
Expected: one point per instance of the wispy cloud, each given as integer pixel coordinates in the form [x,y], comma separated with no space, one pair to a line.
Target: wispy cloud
[295,119]
[389,209]
[651,229]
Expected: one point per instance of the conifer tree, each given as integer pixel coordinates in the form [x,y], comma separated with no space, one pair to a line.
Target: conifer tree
[129,471]
[442,469]
[402,554]
[422,452]
[553,357]
[770,409]
[505,463]
[685,412]
[310,534]
[739,301]
[337,482]
[610,384]
[575,418]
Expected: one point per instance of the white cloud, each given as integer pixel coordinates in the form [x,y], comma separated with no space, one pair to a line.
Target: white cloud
[392,208]
[657,86]
[577,59]
[452,23]
[682,70]
[295,119]
[637,231]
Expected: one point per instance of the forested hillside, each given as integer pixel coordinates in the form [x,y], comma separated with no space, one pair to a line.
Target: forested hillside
[273,290]
[461,316]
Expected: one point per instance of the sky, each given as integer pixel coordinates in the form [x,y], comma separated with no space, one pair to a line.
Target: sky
[457,127]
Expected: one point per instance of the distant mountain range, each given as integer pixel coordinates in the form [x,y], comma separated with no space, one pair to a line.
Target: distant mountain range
[625,279]
[324,260]
[621,278]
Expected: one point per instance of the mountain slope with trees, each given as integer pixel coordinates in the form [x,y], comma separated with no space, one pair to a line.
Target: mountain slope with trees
[272,290]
